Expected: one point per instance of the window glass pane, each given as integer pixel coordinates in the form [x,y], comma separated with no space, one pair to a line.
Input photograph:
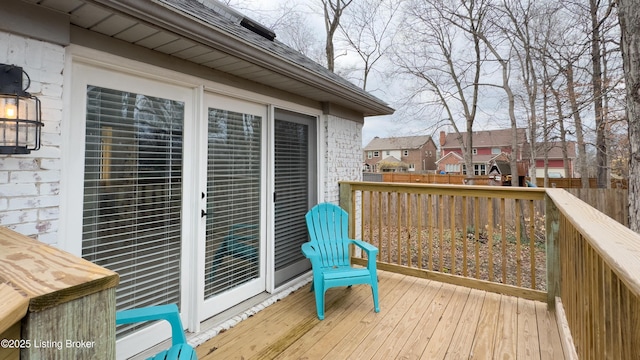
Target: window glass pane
[292,190]
[233,200]
[133,194]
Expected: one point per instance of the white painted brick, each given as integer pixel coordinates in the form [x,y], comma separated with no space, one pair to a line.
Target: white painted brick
[22,177]
[51,90]
[47,226]
[50,152]
[344,154]
[50,75]
[18,217]
[8,163]
[32,202]
[34,51]
[30,184]
[51,116]
[27,229]
[49,189]
[17,50]
[36,89]
[52,213]
[51,164]
[18,190]
[50,238]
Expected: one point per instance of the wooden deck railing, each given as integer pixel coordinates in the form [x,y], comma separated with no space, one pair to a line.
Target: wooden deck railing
[53,305]
[596,273]
[483,237]
[506,240]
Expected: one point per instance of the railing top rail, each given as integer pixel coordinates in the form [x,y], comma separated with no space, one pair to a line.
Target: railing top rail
[447,189]
[618,245]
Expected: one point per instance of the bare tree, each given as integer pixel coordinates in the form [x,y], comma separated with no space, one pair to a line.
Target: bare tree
[503,61]
[440,49]
[367,30]
[596,62]
[520,32]
[332,13]
[629,15]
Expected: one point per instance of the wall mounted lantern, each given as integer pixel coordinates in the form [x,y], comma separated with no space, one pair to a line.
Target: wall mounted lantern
[20,123]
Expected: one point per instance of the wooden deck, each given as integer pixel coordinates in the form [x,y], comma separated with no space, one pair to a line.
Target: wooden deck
[419,319]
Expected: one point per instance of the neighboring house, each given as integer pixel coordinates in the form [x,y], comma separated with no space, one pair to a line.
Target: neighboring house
[174,128]
[488,146]
[408,153]
[555,158]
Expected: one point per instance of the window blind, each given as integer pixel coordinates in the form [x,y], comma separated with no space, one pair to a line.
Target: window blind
[133,194]
[292,191]
[233,200]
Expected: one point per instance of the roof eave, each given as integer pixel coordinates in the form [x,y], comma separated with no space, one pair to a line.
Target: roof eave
[162,15]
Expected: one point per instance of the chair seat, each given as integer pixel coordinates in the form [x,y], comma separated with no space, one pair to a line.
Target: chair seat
[176,352]
[334,273]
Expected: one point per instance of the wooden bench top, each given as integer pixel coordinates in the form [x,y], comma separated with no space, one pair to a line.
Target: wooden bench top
[44,275]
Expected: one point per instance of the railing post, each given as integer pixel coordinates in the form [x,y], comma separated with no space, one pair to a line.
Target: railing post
[552,229]
[345,196]
[346,203]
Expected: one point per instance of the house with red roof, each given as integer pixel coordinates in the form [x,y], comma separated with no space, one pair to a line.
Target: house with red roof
[494,146]
[489,146]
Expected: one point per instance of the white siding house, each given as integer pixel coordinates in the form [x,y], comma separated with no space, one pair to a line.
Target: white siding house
[172,131]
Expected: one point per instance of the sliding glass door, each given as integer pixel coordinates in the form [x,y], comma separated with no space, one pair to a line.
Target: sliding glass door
[295,190]
[234,265]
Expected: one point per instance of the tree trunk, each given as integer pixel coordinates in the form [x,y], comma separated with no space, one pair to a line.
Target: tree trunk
[596,80]
[629,15]
[582,147]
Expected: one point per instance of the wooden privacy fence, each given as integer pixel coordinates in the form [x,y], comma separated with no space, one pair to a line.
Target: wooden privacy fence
[413,178]
[477,236]
[612,202]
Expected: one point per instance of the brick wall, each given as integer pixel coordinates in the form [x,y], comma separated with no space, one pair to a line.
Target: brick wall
[30,184]
[343,159]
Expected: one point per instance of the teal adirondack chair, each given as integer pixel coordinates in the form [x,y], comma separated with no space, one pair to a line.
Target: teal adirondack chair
[328,252]
[179,349]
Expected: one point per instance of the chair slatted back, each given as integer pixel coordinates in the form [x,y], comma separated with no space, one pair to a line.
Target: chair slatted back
[328,226]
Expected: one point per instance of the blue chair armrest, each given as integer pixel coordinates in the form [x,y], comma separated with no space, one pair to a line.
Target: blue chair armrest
[372,252]
[309,252]
[368,248]
[169,313]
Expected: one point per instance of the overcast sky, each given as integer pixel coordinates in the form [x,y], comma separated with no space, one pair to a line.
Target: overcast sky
[382,126]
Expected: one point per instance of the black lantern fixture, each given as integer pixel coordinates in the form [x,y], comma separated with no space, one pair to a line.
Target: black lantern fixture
[20,123]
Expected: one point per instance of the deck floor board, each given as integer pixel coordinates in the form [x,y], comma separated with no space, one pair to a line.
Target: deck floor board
[419,319]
